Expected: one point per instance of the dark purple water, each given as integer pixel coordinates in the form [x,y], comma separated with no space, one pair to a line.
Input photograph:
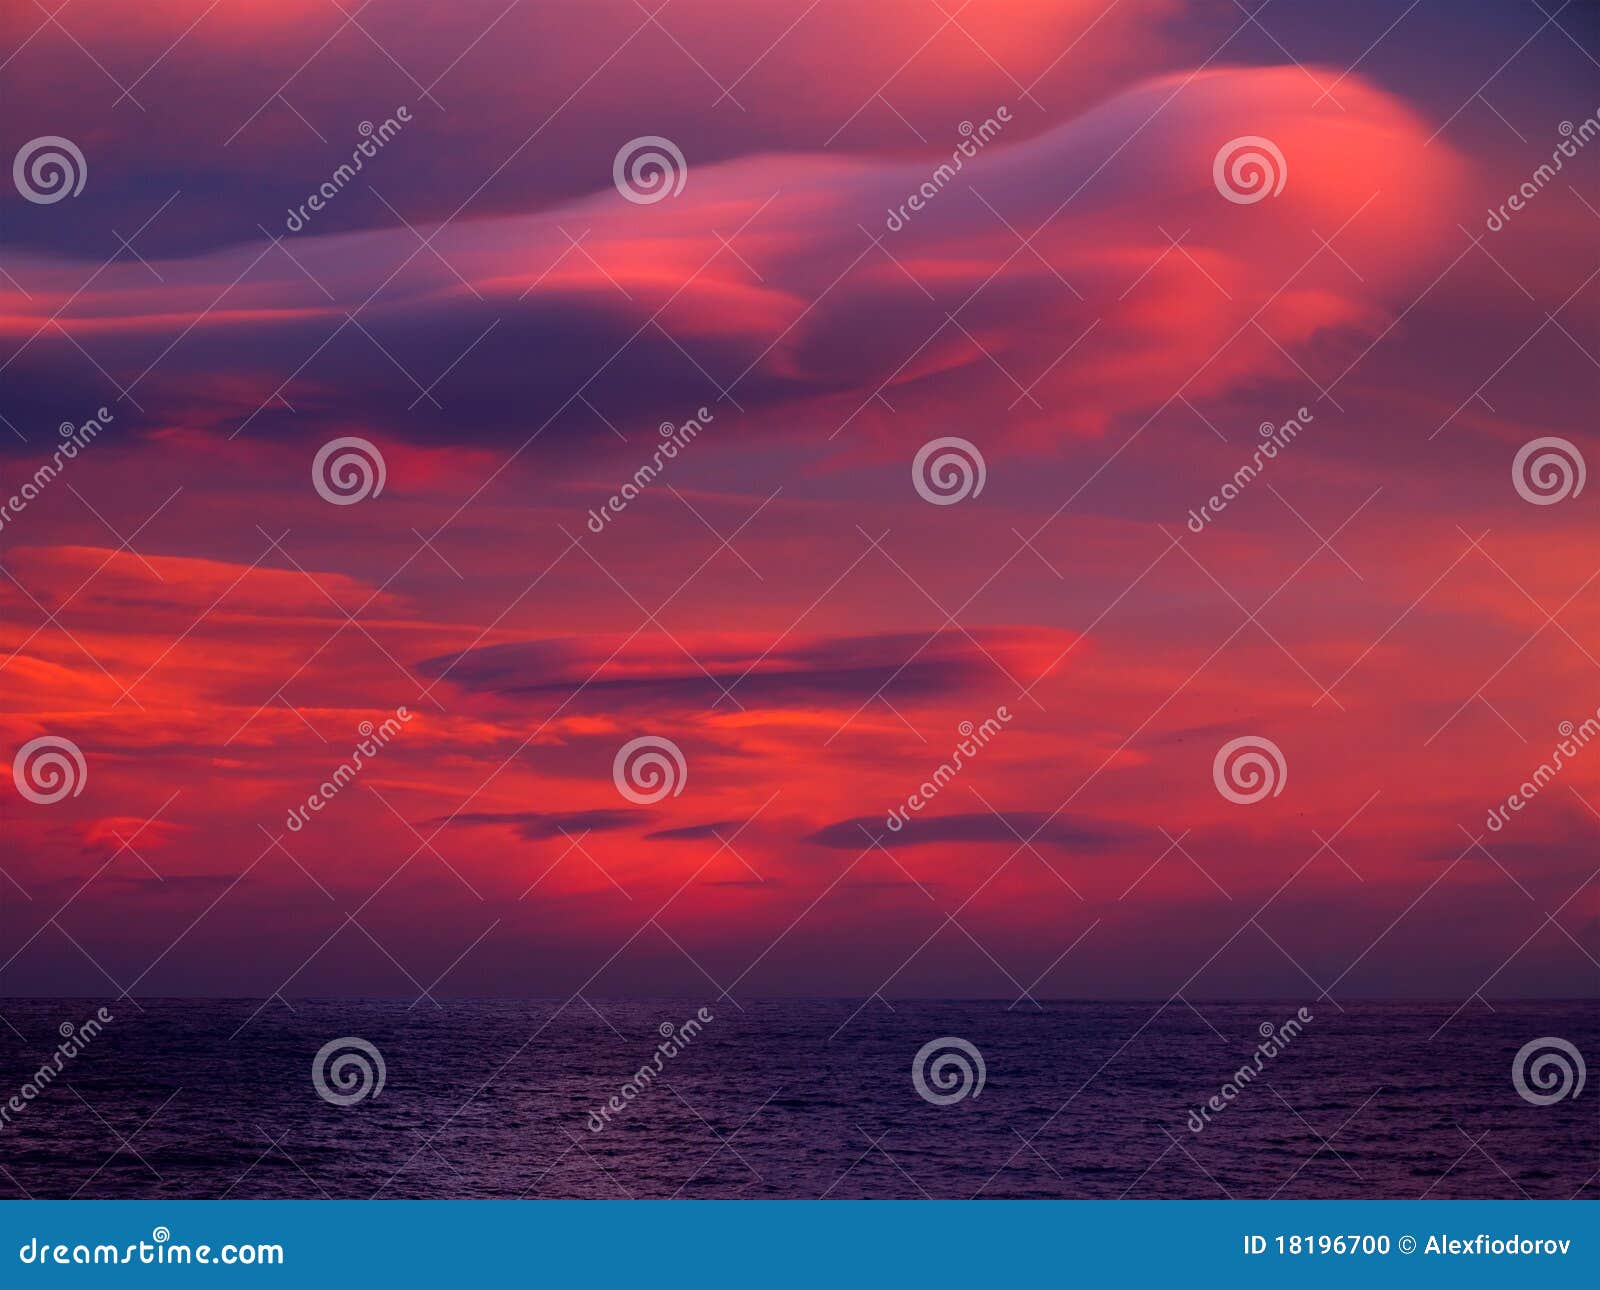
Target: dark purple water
[206,1098]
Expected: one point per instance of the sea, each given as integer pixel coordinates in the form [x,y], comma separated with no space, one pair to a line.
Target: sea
[705,1097]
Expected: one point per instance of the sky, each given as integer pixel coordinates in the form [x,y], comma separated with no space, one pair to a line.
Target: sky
[812,603]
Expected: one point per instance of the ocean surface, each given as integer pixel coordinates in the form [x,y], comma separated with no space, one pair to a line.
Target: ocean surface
[789,1098]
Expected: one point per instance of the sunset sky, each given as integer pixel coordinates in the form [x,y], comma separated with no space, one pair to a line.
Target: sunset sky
[1080,301]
